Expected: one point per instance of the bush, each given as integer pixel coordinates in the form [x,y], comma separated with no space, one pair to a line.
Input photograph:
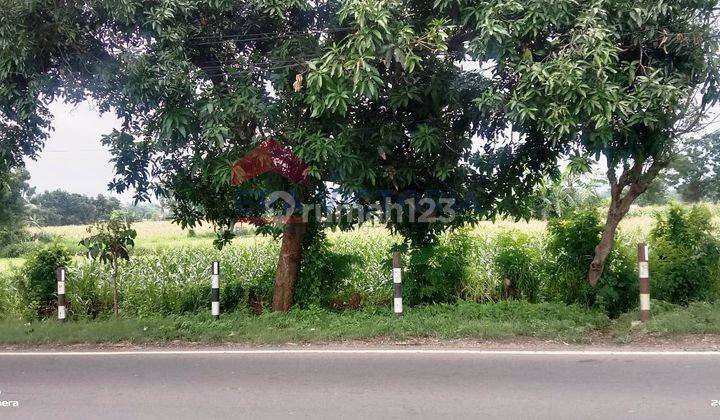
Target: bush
[437,272]
[516,263]
[345,272]
[18,249]
[177,280]
[22,243]
[571,247]
[685,256]
[39,286]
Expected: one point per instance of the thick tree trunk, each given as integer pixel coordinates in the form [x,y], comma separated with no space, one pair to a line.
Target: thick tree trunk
[288,265]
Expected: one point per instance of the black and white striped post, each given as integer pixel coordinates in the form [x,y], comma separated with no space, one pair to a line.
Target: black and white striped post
[644,274]
[397,284]
[215,294]
[62,311]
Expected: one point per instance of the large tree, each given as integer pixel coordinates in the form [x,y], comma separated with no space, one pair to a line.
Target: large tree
[618,79]
[197,84]
[373,95]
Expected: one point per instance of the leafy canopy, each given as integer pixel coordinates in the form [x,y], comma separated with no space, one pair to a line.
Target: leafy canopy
[110,241]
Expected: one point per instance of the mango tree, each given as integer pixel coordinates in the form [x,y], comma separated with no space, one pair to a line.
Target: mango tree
[373,95]
[619,80]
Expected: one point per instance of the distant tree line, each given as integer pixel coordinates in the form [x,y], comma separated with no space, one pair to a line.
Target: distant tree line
[59,208]
[21,207]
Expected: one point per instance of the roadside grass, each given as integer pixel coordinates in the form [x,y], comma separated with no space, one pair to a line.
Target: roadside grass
[505,320]
[668,320]
[463,320]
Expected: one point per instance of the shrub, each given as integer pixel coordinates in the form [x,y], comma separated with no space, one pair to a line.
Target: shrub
[346,271]
[321,274]
[18,249]
[177,280]
[436,272]
[516,263]
[11,303]
[685,256]
[39,286]
[571,247]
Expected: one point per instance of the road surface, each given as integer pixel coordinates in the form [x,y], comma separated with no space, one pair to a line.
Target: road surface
[359,385]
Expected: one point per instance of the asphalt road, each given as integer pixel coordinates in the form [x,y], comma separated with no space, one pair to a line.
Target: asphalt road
[359,385]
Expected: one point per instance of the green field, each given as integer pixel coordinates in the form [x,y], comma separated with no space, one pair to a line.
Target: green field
[153,235]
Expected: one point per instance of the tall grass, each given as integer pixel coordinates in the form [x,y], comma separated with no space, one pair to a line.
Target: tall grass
[172,276]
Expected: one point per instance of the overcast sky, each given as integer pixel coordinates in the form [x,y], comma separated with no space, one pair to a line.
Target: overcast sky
[74,160]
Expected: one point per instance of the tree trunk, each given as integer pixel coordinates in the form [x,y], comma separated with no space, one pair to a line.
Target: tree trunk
[113,275]
[288,265]
[602,250]
[636,182]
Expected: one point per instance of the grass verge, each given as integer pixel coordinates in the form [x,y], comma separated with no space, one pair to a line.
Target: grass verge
[464,320]
[502,320]
[668,320]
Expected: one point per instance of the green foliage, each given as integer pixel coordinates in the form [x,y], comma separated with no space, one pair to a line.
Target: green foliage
[14,243]
[110,241]
[7,293]
[353,269]
[38,288]
[657,193]
[336,271]
[24,243]
[176,281]
[87,295]
[320,276]
[696,169]
[435,272]
[571,246]
[60,208]
[517,262]
[685,256]
[14,190]
[555,198]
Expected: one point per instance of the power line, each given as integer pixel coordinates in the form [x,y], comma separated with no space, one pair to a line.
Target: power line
[76,151]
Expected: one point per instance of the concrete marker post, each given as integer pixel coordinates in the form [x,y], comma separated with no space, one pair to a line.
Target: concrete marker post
[644,274]
[60,276]
[215,290]
[215,293]
[397,284]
